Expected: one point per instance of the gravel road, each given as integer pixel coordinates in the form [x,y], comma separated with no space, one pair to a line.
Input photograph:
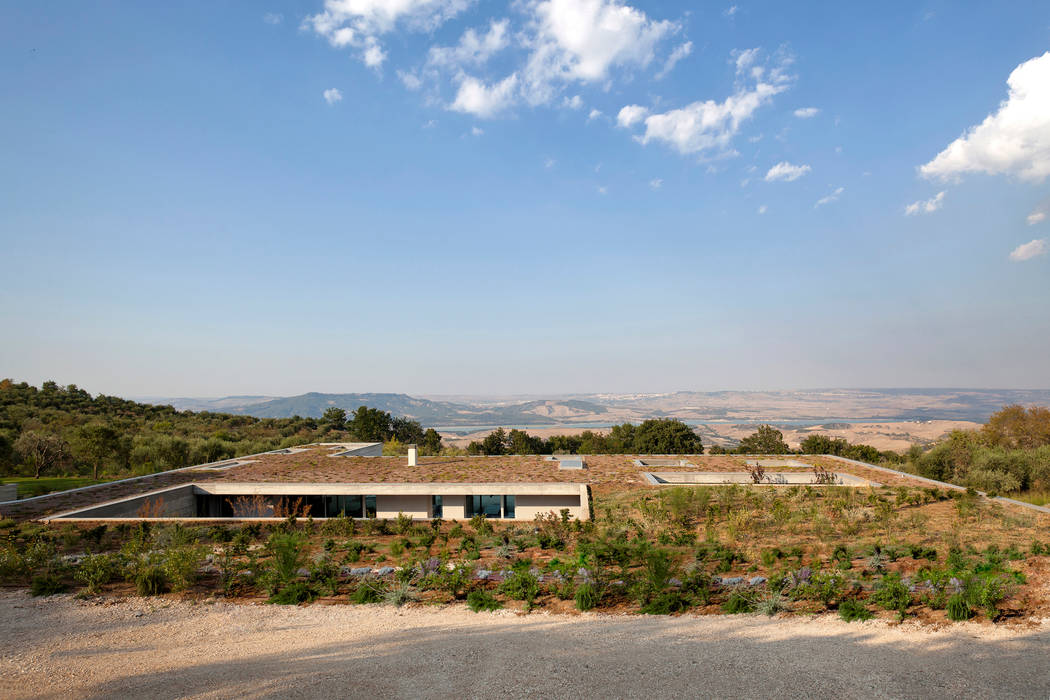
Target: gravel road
[60,647]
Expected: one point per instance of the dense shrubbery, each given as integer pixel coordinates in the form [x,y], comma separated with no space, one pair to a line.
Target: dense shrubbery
[1008,454]
[57,429]
[734,548]
[657,436]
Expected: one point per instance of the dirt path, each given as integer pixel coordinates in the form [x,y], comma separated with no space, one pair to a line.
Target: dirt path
[154,648]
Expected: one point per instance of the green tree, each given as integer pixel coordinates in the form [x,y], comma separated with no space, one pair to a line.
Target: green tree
[767,440]
[370,425]
[495,443]
[666,436]
[431,444]
[335,417]
[520,442]
[43,452]
[406,430]
[823,445]
[95,443]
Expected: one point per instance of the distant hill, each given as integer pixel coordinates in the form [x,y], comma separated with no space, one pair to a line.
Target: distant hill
[426,411]
[817,405]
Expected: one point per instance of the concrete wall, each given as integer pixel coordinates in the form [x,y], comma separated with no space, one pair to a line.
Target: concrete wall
[178,502]
[528,507]
[413,506]
[454,507]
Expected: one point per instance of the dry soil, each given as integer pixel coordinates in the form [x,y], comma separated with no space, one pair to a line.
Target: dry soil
[61,647]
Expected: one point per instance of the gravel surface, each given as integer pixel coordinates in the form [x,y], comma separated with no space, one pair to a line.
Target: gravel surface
[61,647]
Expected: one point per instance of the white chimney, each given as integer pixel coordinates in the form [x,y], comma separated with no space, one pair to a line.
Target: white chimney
[411,455]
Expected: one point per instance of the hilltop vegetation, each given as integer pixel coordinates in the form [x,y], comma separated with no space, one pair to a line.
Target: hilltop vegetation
[56,430]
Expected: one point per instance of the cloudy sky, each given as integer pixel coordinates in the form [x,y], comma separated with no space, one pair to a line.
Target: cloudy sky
[540,196]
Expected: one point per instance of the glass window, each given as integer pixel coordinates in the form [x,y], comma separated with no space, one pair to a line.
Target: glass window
[350,506]
[436,509]
[491,506]
[370,506]
[508,506]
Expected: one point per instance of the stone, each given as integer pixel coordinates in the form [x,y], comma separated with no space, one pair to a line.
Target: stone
[757,580]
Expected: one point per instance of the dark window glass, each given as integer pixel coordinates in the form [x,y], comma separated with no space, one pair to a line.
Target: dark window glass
[370,506]
[508,506]
[491,506]
[436,507]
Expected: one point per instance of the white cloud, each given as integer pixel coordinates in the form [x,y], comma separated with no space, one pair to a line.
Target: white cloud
[602,189]
[710,125]
[475,97]
[1013,141]
[829,198]
[472,49]
[786,171]
[1029,250]
[631,115]
[807,112]
[581,40]
[273,18]
[731,10]
[927,206]
[1035,217]
[656,183]
[549,163]
[574,102]
[763,209]
[332,95]
[373,55]
[360,23]
[595,113]
[410,80]
[677,55]
[476,131]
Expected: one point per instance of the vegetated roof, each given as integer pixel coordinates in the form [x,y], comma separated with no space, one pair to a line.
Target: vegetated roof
[314,464]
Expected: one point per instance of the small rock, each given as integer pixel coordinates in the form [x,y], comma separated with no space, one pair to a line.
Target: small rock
[385,571]
[482,574]
[361,571]
[757,580]
[732,580]
[302,572]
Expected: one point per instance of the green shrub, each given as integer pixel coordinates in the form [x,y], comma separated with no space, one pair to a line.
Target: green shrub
[400,594]
[180,566]
[150,580]
[824,587]
[891,593]
[287,557]
[771,603]
[986,592]
[738,602]
[521,586]
[294,593]
[665,603]
[46,583]
[482,600]
[852,610]
[958,609]
[587,596]
[368,591]
[95,571]
[397,548]
[480,524]
[403,524]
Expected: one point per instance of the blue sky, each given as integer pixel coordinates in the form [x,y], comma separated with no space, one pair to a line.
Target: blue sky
[436,196]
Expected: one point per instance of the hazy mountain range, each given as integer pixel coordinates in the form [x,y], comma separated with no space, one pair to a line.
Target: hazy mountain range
[696,407]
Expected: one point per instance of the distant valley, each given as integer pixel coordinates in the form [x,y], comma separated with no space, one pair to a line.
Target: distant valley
[468,413]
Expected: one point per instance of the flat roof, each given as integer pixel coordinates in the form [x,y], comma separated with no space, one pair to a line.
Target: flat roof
[315,464]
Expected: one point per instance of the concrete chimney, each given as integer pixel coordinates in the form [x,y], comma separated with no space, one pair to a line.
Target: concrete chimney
[411,455]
